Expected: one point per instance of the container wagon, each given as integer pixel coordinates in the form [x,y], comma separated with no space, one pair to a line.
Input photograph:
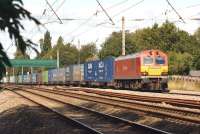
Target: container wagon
[26,79]
[68,75]
[44,77]
[99,72]
[34,78]
[12,79]
[39,78]
[77,75]
[56,76]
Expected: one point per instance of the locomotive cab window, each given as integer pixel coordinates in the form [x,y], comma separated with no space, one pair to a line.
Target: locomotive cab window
[147,60]
[160,60]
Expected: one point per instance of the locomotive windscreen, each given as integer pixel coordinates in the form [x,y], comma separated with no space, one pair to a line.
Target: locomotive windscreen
[160,60]
[147,60]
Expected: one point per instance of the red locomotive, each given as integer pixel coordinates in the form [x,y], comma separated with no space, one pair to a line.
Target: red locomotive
[144,70]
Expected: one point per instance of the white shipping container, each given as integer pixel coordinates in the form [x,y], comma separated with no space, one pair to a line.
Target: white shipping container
[78,72]
[4,80]
[12,79]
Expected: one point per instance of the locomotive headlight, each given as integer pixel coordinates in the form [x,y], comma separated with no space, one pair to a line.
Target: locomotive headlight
[144,73]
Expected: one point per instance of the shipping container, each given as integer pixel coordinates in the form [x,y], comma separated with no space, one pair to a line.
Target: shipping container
[99,70]
[26,78]
[12,79]
[77,72]
[20,79]
[57,75]
[45,77]
[68,74]
[50,76]
[39,78]
[4,80]
[34,78]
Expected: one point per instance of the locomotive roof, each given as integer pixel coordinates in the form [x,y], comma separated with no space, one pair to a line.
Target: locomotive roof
[128,56]
[134,55]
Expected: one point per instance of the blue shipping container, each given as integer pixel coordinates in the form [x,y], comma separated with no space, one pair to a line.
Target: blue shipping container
[57,75]
[34,78]
[26,78]
[99,70]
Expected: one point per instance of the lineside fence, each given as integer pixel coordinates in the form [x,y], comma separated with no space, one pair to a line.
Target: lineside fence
[184,78]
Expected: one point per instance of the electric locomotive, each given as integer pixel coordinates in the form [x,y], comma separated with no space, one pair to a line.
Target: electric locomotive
[144,70]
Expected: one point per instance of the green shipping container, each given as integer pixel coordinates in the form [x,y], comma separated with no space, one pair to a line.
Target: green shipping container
[45,77]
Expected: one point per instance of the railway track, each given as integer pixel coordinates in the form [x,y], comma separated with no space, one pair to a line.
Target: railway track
[186,94]
[95,122]
[173,113]
[172,101]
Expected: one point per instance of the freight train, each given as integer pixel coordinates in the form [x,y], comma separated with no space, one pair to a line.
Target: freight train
[143,70]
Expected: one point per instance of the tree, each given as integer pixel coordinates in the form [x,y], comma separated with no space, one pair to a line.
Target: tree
[45,44]
[68,53]
[11,14]
[166,37]
[197,34]
[179,63]
[20,55]
[60,42]
[196,59]
[41,42]
[88,52]
[112,46]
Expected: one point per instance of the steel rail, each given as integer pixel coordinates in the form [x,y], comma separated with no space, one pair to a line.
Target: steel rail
[133,124]
[167,100]
[174,113]
[185,94]
[89,129]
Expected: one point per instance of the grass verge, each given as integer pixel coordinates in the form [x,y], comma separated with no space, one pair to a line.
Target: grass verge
[183,85]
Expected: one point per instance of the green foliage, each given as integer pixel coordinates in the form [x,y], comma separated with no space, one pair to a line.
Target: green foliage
[3,62]
[167,37]
[20,55]
[196,61]
[60,42]
[183,48]
[45,44]
[88,52]
[197,34]
[179,63]
[11,14]
[68,53]
[113,44]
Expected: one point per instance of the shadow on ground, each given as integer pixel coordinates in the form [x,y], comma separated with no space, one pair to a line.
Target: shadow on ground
[34,120]
[146,119]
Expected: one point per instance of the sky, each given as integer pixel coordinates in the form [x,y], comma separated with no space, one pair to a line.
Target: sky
[84,20]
